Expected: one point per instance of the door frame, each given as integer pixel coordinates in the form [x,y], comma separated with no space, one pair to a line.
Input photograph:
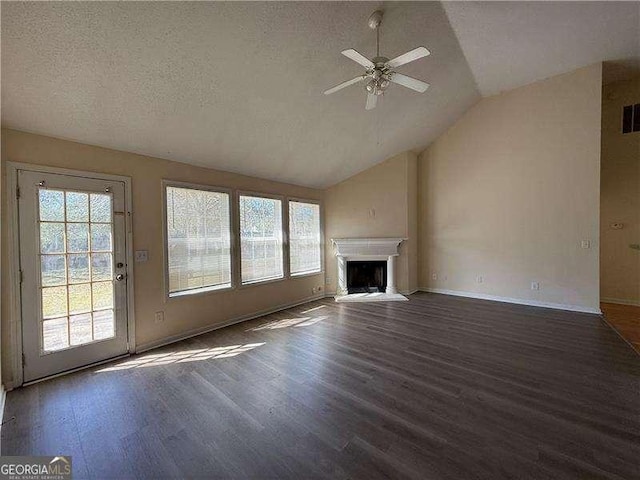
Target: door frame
[13,250]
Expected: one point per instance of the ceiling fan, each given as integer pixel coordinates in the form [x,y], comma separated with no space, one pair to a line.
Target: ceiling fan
[380,70]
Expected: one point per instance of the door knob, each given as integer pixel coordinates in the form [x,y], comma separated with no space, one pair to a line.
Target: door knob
[119,277]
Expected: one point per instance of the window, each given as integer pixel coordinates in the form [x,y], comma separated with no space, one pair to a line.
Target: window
[304,238]
[198,240]
[260,238]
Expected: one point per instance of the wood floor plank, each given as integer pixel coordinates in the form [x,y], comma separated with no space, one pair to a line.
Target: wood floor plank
[438,387]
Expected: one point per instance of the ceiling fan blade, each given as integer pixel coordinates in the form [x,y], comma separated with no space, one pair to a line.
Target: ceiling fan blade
[409,82]
[372,99]
[359,58]
[410,56]
[345,84]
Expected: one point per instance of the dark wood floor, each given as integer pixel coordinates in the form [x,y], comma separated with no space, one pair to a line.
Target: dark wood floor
[438,387]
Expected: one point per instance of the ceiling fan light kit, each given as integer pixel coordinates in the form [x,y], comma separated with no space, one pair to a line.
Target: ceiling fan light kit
[379,71]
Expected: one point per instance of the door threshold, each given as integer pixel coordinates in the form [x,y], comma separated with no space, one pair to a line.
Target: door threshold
[66,372]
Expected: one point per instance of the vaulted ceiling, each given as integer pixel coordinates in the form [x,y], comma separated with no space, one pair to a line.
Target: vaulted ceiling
[238,86]
[509,44]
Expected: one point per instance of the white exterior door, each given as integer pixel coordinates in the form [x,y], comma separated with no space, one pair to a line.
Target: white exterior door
[73,269]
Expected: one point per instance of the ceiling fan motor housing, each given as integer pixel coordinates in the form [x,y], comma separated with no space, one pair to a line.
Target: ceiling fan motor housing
[379,76]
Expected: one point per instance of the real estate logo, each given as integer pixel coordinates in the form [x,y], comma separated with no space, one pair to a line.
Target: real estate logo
[35,468]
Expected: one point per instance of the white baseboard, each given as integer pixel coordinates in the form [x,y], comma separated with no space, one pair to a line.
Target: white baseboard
[209,328]
[519,301]
[620,301]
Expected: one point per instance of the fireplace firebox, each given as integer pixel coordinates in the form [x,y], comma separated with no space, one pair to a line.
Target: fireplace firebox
[366,276]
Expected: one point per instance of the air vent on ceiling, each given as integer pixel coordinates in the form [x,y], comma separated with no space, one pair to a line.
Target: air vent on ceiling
[631,118]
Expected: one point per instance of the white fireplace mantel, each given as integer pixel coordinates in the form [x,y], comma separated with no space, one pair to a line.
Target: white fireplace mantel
[367,249]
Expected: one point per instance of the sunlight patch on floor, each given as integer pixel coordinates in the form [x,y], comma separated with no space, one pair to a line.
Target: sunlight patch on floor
[182,356]
[319,307]
[288,322]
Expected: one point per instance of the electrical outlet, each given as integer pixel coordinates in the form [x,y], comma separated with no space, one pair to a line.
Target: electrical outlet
[434,276]
[159,317]
[585,244]
[535,286]
[479,279]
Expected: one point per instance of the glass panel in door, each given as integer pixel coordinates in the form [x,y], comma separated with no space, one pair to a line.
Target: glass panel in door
[76,268]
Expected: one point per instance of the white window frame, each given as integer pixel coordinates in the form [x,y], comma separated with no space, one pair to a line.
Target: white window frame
[284,204]
[165,236]
[320,206]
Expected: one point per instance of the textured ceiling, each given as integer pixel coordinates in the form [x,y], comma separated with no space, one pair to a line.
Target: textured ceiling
[234,86]
[238,86]
[509,44]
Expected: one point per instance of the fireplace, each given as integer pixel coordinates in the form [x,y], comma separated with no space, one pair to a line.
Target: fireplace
[366,276]
[366,269]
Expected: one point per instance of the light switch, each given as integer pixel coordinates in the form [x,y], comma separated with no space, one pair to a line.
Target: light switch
[142,256]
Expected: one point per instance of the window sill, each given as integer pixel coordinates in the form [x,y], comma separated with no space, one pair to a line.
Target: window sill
[262,282]
[200,291]
[307,274]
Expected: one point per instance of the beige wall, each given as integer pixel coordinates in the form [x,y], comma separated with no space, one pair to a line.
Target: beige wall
[510,191]
[182,314]
[412,221]
[620,197]
[376,203]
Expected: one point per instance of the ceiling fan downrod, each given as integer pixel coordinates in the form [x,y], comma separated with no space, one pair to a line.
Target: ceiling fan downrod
[374,22]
